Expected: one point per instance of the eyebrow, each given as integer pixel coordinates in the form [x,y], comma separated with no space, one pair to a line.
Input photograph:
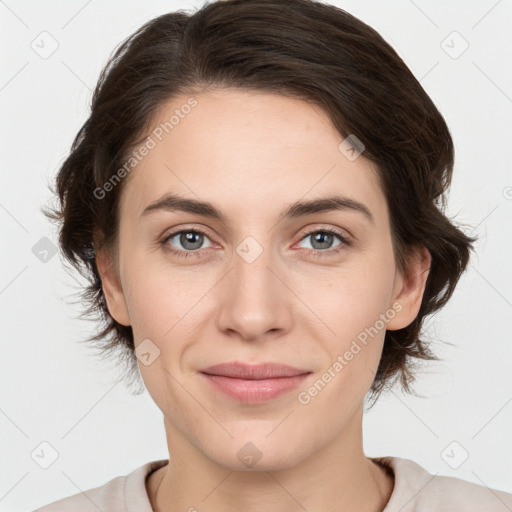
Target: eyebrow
[175,203]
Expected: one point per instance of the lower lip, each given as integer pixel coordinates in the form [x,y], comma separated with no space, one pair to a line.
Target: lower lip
[255,391]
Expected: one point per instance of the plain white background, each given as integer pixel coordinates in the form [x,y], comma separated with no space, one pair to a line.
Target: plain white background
[55,390]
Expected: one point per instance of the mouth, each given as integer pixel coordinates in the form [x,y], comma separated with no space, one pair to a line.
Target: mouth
[254,383]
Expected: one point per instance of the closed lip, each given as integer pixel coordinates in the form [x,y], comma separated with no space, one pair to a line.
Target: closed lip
[238,370]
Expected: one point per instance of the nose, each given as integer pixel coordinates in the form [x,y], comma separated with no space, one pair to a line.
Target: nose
[255,299]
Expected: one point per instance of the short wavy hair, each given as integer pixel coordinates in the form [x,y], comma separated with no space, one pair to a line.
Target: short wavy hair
[301,49]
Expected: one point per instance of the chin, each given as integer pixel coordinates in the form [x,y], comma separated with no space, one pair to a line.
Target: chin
[257,452]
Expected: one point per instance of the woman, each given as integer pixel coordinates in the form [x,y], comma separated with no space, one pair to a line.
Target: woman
[257,198]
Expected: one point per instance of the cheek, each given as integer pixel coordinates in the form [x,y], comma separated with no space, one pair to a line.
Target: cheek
[158,295]
[352,298]
[160,305]
[355,305]
[157,303]
[354,312]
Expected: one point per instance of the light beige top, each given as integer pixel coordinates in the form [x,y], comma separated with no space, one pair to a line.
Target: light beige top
[415,490]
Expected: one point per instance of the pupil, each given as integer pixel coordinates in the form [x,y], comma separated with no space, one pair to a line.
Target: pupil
[321,236]
[188,238]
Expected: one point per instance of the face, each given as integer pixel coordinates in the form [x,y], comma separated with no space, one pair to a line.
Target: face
[256,283]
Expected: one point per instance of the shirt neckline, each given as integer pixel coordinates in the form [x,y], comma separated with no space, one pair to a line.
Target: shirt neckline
[137,499]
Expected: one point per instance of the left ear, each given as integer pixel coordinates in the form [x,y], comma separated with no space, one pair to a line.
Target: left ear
[409,288]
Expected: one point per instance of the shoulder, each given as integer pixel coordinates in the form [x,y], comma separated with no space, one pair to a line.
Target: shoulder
[120,494]
[108,497]
[418,490]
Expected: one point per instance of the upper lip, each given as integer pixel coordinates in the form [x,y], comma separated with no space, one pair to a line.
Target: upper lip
[253,371]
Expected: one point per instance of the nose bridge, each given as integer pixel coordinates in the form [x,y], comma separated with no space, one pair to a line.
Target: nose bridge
[253,299]
[252,264]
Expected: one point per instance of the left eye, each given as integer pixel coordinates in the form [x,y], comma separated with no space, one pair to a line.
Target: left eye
[322,240]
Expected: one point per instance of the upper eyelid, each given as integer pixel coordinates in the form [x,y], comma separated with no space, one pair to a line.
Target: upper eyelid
[333,230]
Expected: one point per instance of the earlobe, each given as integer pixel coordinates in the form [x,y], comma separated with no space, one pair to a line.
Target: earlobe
[409,288]
[112,289]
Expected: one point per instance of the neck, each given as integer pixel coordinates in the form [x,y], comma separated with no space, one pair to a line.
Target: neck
[337,477]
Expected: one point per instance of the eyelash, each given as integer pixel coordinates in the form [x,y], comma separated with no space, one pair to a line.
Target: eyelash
[346,242]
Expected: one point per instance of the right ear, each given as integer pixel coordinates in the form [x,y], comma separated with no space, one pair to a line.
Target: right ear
[112,288]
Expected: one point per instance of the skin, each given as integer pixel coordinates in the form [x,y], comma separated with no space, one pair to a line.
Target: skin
[252,154]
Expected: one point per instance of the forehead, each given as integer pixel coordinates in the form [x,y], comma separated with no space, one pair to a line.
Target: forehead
[246,150]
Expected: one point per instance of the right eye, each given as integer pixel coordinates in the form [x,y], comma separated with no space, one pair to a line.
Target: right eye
[190,239]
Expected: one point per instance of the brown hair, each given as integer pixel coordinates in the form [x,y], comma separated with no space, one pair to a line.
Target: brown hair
[302,49]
